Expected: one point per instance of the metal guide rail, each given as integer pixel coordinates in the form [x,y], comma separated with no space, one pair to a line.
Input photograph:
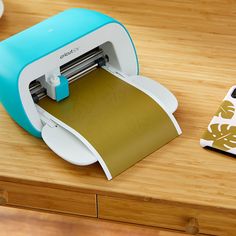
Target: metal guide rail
[72,71]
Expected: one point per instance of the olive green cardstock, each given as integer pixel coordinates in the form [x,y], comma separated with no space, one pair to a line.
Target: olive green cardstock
[122,123]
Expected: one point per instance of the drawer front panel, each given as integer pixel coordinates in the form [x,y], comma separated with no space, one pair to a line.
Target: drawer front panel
[50,199]
[165,215]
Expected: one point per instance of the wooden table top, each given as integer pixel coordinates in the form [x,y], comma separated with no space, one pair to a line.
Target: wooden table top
[190,47]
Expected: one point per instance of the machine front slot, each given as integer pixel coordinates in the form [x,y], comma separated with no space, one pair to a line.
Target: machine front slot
[72,71]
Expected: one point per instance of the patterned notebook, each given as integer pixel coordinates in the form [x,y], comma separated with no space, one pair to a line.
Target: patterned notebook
[221,132]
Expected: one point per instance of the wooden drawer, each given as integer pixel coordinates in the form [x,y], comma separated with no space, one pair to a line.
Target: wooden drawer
[166,215]
[49,199]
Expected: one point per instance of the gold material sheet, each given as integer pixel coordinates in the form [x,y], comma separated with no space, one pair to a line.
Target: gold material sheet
[121,122]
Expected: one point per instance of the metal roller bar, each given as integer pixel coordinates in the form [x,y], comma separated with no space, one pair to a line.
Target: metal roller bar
[43,94]
[83,59]
[34,86]
[81,73]
[73,70]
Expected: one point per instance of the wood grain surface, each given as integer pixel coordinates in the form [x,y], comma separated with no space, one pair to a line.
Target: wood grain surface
[17,222]
[190,47]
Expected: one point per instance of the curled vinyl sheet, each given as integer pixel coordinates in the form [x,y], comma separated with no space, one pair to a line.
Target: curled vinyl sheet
[122,123]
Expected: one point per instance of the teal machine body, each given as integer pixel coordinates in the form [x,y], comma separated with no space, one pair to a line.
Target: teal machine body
[39,53]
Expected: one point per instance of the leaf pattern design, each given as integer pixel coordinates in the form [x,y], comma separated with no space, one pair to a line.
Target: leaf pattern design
[223,136]
[226,110]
